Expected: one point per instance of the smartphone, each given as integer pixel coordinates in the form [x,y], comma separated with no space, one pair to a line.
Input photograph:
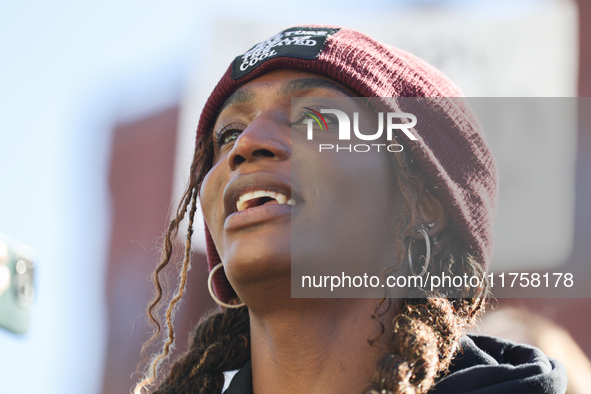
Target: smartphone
[17,284]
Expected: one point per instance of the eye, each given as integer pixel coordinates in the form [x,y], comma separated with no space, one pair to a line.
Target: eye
[228,134]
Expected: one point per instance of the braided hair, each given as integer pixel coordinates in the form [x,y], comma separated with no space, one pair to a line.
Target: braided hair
[426,331]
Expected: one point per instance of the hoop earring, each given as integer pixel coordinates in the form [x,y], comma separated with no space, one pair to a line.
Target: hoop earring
[211,292]
[423,231]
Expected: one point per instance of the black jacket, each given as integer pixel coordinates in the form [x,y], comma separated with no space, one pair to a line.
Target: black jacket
[485,365]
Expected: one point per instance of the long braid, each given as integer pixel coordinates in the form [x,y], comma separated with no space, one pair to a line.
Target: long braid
[170,311]
[201,163]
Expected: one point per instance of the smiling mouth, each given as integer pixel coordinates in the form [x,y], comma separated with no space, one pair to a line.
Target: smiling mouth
[258,198]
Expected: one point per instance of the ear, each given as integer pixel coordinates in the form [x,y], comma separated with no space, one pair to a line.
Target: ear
[430,212]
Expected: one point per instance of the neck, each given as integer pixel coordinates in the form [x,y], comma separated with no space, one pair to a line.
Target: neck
[317,346]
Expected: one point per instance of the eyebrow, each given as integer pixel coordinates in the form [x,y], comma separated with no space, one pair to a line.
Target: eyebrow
[238,97]
[287,88]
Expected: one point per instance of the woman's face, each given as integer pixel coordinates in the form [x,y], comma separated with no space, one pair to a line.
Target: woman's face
[271,197]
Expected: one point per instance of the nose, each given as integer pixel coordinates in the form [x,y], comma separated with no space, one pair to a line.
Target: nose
[266,137]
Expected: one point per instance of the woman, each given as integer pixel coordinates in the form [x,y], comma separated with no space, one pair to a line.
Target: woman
[269,197]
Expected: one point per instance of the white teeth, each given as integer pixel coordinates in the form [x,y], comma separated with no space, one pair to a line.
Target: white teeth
[242,202]
[259,193]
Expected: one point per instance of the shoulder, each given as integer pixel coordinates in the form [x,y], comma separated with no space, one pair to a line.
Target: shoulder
[482,365]
[487,365]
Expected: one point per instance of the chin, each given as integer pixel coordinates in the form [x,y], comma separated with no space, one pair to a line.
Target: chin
[257,257]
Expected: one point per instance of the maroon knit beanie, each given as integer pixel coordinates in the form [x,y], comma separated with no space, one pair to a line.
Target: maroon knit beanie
[455,157]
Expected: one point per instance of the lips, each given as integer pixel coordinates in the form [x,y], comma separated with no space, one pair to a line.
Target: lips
[254,198]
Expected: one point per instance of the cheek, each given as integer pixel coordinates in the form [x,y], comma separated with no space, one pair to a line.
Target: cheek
[211,197]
